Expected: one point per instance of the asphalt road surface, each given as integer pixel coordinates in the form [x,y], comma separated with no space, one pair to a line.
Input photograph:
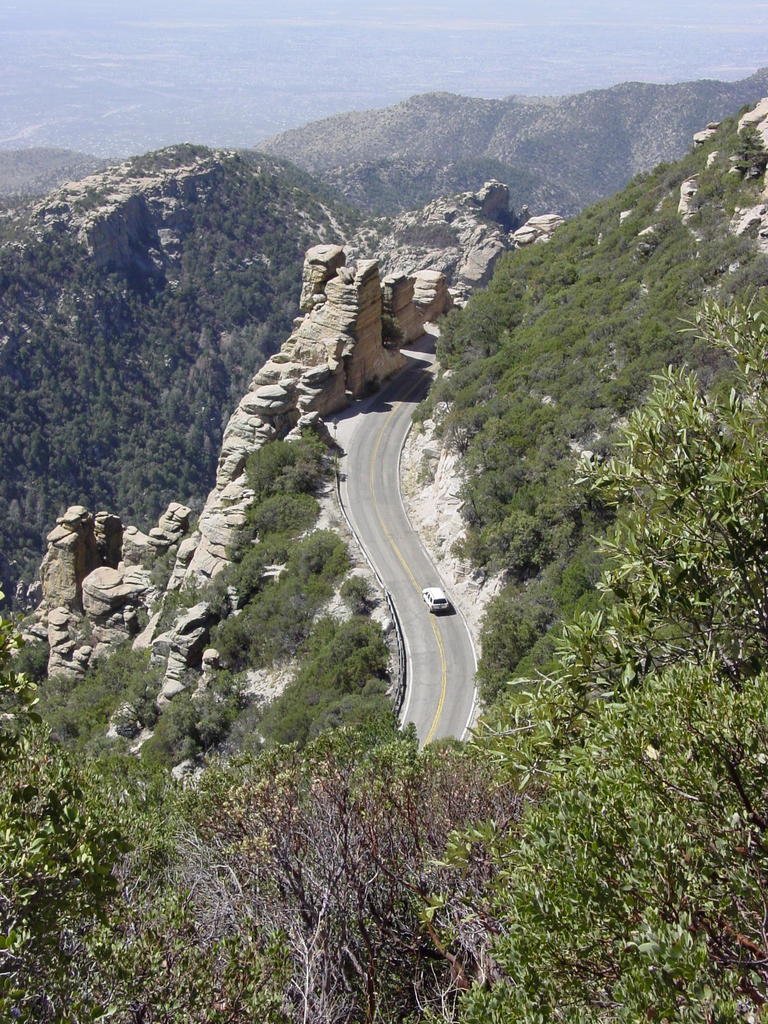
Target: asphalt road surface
[441,662]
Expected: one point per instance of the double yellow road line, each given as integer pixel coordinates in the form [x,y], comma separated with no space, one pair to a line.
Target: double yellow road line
[393,544]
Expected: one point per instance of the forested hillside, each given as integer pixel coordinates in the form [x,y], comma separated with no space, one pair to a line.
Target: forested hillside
[551,358]
[134,308]
[596,854]
[558,153]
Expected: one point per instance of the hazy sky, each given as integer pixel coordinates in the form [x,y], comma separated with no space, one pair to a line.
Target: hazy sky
[112,76]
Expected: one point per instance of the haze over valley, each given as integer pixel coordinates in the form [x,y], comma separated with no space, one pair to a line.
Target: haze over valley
[115,79]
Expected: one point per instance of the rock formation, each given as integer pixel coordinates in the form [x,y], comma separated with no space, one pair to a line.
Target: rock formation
[183,646]
[413,300]
[72,553]
[706,133]
[336,352]
[688,192]
[537,229]
[95,572]
[320,265]
[460,237]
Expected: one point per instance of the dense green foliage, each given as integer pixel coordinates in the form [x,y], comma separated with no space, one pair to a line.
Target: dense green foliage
[554,354]
[57,848]
[118,373]
[635,887]
[76,711]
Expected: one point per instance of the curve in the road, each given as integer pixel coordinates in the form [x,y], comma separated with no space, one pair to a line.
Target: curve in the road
[441,661]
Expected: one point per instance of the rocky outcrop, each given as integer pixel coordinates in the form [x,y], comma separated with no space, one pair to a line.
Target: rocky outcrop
[95,577]
[706,133]
[537,229]
[752,221]
[73,552]
[183,646]
[460,237]
[131,218]
[321,264]
[68,654]
[335,353]
[111,598]
[143,548]
[415,300]
[757,118]
[687,207]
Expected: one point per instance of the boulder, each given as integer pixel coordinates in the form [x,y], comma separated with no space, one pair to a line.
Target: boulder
[72,554]
[688,192]
[105,591]
[537,229]
[174,522]
[138,547]
[648,240]
[706,133]
[320,264]
[186,642]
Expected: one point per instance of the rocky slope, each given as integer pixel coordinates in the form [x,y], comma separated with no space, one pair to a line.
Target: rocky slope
[97,579]
[575,149]
[460,237]
[135,305]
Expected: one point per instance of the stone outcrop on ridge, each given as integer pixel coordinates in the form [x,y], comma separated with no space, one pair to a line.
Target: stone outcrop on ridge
[95,571]
[460,237]
[537,229]
[335,353]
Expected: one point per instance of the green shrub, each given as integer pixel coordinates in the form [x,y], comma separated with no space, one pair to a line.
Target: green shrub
[78,711]
[358,595]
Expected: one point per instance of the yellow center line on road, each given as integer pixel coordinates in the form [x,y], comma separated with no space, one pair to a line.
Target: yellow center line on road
[392,543]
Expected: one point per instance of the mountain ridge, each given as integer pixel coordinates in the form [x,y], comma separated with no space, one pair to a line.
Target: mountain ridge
[585,145]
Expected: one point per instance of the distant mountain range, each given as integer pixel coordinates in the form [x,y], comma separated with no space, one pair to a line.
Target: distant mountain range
[555,153]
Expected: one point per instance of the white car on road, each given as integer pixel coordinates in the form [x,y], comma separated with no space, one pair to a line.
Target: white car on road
[435,599]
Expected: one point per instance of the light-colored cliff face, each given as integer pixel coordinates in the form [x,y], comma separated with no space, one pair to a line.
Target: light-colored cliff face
[97,572]
[335,353]
[460,237]
[132,219]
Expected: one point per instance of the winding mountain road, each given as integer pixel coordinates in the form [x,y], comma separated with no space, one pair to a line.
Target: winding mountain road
[441,663]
